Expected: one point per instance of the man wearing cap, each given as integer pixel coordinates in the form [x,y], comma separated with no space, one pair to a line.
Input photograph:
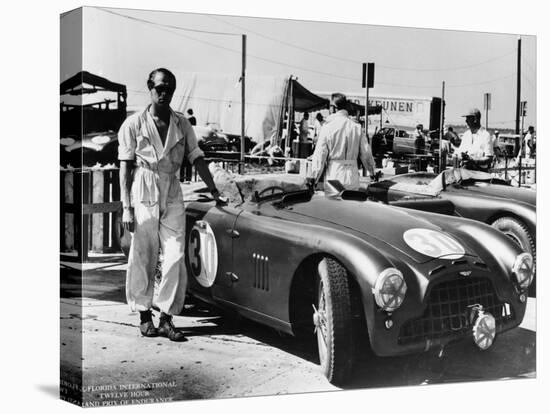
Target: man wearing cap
[476,144]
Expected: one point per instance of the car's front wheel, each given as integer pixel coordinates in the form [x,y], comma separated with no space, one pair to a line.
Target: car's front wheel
[332,319]
[519,233]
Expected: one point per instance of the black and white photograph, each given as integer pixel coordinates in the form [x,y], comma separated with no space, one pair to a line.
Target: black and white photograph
[250,227]
[288,207]
[237,222]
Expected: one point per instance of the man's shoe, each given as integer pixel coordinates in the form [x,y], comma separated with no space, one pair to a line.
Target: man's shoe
[166,328]
[148,329]
[146,326]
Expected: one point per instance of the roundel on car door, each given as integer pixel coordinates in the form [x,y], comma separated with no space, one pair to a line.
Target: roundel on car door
[202,253]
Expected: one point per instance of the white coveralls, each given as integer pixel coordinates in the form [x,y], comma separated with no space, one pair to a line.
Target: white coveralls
[158,209]
[339,146]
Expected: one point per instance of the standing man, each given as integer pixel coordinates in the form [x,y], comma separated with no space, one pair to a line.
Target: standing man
[318,123]
[339,146]
[419,140]
[528,141]
[476,145]
[304,128]
[152,146]
[452,137]
[494,141]
[191,118]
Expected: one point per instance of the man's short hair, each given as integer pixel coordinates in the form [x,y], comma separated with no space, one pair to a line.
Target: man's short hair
[165,72]
[339,100]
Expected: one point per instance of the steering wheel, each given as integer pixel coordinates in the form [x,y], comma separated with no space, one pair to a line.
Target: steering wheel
[272,188]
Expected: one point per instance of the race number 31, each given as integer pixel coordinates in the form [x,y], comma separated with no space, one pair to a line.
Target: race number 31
[433,243]
[203,253]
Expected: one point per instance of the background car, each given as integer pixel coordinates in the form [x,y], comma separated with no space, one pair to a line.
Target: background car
[211,139]
[400,142]
[507,144]
[342,268]
[474,195]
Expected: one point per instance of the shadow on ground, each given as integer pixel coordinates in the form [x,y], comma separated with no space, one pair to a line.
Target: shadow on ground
[512,356]
[101,284]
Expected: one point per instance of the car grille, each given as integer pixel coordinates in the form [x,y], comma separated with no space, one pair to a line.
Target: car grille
[449,309]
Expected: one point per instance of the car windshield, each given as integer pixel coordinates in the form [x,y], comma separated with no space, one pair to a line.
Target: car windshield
[241,188]
[269,184]
[457,175]
[426,184]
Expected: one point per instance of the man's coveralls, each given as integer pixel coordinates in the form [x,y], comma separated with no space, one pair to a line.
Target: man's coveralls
[157,200]
[339,146]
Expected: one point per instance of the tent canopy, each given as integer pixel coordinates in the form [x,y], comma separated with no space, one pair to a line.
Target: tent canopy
[216,100]
[305,100]
[68,86]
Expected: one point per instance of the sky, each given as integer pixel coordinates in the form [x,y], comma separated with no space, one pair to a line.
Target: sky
[124,45]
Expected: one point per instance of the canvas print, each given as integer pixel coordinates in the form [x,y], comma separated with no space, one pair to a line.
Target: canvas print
[255,206]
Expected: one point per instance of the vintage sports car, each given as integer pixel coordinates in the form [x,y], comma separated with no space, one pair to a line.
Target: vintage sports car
[338,267]
[475,195]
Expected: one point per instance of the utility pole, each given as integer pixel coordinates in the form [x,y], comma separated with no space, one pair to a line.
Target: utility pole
[367,83]
[442,160]
[290,117]
[243,89]
[518,97]
[487,106]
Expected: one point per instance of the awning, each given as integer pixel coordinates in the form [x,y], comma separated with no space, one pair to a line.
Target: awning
[305,100]
[99,84]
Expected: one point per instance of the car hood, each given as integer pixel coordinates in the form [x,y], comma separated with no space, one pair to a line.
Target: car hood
[385,225]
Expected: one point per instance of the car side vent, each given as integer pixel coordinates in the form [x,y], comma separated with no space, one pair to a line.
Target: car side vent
[459,262]
[261,271]
[480,264]
[436,270]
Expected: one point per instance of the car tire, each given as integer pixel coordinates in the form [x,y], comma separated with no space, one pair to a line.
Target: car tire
[333,321]
[519,233]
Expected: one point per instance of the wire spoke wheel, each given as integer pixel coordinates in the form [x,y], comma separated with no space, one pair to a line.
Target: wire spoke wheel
[519,233]
[333,321]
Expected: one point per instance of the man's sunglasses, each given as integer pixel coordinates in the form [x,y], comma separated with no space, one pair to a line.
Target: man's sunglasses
[163,88]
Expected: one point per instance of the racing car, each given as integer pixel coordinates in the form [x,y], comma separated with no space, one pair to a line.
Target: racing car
[339,267]
[475,195]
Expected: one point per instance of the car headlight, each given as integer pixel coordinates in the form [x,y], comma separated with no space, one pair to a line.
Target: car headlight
[523,269]
[389,289]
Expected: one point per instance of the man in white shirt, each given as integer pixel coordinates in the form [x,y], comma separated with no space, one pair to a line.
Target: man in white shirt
[340,144]
[528,142]
[476,144]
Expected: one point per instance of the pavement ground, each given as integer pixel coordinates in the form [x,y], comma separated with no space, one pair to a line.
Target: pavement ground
[225,357]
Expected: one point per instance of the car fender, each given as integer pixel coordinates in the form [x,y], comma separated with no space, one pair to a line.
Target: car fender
[488,209]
